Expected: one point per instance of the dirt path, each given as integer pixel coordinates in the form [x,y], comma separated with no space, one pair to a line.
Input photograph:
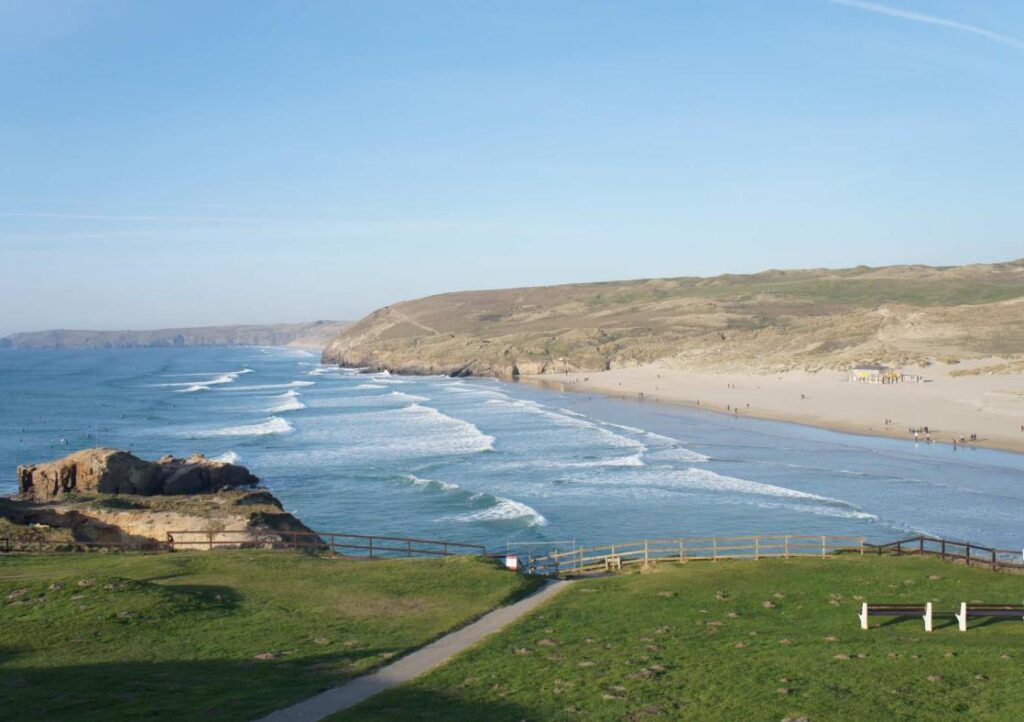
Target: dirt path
[412,665]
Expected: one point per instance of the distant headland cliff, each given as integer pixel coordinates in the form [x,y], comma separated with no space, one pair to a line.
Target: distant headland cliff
[316,333]
[767,322]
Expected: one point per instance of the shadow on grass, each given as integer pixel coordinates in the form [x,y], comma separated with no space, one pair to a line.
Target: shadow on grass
[229,690]
[432,706]
[226,598]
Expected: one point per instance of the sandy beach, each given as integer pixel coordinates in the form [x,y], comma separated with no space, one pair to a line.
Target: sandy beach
[988,405]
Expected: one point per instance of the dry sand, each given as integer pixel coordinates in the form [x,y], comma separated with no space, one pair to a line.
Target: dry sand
[991,406]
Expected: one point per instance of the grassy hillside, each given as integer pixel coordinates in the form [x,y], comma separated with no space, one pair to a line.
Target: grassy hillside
[223,635]
[762,641]
[762,322]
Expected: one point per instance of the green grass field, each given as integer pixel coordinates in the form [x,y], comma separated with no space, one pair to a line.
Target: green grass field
[227,635]
[737,641]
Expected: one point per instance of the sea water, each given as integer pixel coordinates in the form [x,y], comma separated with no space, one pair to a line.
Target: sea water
[496,463]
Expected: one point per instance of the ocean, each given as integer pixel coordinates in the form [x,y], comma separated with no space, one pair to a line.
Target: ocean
[483,461]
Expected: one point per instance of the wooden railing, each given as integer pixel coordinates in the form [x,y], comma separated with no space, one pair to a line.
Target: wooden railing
[335,542]
[649,551]
[954,551]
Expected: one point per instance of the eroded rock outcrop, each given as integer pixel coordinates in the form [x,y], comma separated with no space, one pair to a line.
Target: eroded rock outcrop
[202,522]
[111,471]
[108,496]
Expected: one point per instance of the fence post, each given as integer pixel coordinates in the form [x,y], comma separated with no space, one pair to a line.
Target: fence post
[785,548]
[942,550]
[823,547]
[920,543]
[408,547]
[371,547]
[757,548]
[968,554]
[993,560]
[681,558]
[446,548]
[714,549]
[646,558]
[899,548]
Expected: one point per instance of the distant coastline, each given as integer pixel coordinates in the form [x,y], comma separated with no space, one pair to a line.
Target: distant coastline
[315,334]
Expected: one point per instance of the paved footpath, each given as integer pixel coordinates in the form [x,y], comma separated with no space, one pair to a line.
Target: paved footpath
[412,665]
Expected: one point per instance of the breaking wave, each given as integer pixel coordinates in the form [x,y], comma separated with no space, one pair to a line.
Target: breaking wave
[263,387]
[488,508]
[228,457]
[287,401]
[273,425]
[188,387]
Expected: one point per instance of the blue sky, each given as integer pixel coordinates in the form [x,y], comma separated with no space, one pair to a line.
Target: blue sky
[178,163]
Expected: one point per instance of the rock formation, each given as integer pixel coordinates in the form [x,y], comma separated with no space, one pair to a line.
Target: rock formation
[110,471]
[109,496]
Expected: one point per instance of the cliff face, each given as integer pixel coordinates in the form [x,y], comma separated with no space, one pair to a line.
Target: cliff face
[317,333]
[229,518]
[110,471]
[111,496]
[771,321]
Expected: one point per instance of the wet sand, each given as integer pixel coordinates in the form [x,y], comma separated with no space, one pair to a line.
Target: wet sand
[991,406]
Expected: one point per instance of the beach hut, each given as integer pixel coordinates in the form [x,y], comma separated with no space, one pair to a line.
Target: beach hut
[869,374]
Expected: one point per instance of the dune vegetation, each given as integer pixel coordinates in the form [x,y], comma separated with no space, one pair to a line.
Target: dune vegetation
[764,322]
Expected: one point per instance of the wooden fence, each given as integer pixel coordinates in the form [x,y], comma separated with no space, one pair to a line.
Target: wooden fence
[613,557]
[372,546]
[954,551]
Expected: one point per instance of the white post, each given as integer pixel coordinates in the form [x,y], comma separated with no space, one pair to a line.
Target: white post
[928,617]
[863,616]
[961,618]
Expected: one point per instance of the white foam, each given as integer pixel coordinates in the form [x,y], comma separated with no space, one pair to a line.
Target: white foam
[263,387]
[287,401]
[369,386]
[228,457]
[401,396]
[708,480]
[273,425]
[380,435]
[219,379]
[677,454]
[432,483]
[503,510]
[476,440]
[618,461]
[575,421]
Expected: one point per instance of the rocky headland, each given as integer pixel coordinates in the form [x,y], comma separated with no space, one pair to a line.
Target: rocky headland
[109,496]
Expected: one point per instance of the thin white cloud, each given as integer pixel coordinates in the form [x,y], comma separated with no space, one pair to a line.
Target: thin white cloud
[892,12]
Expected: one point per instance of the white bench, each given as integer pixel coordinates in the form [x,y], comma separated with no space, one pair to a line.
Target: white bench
[987,610]
[896,610]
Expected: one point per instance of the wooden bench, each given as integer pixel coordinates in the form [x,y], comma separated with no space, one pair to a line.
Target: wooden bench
[896,610]
[987,610]
[613,563]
